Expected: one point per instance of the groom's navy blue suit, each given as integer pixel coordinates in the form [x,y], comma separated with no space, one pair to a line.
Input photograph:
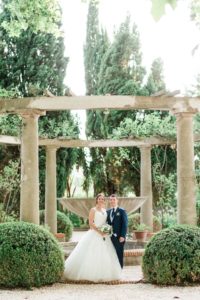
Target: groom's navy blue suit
[119,223]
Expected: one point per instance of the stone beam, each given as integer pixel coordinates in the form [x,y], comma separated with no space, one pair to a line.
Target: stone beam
[69,143]
[99,102]
[9,140]
[105,143]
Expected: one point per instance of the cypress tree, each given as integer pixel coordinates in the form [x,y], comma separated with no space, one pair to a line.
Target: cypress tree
[155,80]
[90,48]
[121,72]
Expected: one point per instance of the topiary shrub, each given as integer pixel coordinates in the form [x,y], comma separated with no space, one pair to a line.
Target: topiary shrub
[64,225]
[29,256]
[134,221]
[172,257]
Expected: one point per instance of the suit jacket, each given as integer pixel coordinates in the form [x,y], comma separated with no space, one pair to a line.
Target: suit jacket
[119,222]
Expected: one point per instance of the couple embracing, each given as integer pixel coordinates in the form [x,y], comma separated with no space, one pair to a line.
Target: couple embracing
[99,256]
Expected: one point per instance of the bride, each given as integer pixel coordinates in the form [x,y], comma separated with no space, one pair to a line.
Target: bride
[94,258]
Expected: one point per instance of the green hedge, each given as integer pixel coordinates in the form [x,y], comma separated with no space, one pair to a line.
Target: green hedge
[172,257]
[64,224]
[29,256]
[76,220]
[134,221]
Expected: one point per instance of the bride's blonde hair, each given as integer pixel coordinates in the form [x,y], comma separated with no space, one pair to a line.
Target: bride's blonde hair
[99,195]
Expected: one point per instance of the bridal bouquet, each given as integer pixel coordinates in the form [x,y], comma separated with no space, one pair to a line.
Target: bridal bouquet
[107,229]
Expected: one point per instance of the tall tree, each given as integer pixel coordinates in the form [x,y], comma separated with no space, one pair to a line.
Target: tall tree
[155,80]
[120,72]
[90,47]
[95,46]
[30,64]
[38,16]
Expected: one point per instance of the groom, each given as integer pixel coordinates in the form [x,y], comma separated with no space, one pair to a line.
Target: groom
[117,218]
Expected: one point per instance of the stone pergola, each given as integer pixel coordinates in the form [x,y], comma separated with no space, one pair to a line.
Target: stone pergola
[184,108]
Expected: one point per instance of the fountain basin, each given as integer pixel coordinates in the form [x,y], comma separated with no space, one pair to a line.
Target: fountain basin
[82,206]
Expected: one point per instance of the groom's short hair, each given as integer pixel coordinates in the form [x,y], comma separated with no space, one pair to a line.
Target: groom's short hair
[113,196]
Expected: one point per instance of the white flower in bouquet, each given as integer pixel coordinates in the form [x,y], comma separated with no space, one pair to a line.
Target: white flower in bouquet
[107,229]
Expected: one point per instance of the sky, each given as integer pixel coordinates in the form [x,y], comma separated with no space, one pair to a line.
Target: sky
[172,38]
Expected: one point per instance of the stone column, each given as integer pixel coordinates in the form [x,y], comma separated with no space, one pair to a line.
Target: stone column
[185,169]
[29,197]
[50,189]
[146,186]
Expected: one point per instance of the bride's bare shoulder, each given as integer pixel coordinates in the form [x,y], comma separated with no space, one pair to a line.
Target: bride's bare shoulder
[93,209]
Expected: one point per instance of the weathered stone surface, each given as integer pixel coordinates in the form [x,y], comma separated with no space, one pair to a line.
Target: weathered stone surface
[99,102]
[82,206]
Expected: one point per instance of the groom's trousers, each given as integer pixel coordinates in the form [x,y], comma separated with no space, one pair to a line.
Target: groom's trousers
[119,247]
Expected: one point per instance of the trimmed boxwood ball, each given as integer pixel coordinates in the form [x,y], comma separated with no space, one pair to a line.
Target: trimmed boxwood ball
[64,224]
[29,256]
[172,257]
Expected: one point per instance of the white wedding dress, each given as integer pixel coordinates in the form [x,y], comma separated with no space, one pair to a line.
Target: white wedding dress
[94,258]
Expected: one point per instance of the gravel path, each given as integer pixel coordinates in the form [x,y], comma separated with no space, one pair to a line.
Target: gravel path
[105,292]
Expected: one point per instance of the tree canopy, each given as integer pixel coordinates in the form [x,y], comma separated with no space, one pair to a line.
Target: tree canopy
[38,16]
[29,64]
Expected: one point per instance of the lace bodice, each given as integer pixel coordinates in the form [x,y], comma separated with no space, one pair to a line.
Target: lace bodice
[100,217]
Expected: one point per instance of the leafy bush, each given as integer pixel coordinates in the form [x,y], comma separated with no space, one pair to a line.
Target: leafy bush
[157,226]
[4,217]
[152,125]
[10,178]
[64,225]
[134,221]
[172,257]
[29,256]
[168,218]
[141,227]
[76,220]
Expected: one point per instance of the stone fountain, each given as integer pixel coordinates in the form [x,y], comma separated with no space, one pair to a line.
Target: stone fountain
[82,206]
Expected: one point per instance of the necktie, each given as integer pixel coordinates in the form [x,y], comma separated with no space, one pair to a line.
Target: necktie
[112,214]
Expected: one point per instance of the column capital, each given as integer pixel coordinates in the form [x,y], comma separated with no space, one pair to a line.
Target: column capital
[145,147]
[32,113]
[184,113]
[51,147]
